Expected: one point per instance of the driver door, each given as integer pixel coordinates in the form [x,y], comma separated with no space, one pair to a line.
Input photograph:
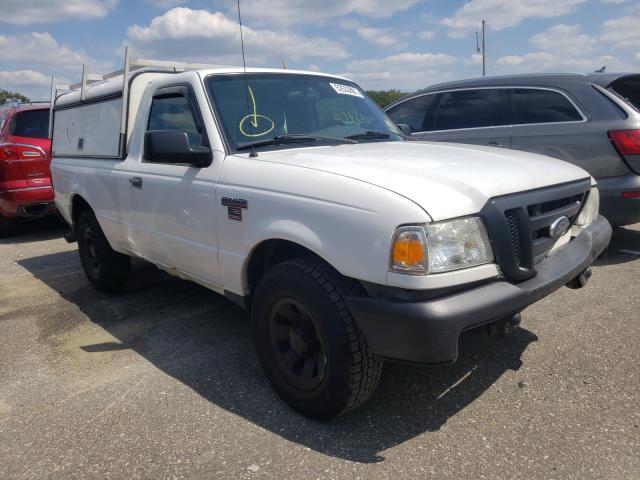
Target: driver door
[172,214]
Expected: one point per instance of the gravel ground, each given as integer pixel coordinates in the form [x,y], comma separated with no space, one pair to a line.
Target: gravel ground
[161,381]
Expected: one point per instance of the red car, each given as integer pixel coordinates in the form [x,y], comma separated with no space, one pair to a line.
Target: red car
[25,156]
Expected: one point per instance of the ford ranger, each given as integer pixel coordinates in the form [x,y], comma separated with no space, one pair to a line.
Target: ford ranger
[292,194]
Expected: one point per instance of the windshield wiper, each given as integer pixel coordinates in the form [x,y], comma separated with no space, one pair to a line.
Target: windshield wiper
[290,138]
[369,134]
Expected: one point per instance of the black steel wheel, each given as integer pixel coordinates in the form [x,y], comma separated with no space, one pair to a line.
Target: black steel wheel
[91,251]
[297,343]
[106,269]
[309,346]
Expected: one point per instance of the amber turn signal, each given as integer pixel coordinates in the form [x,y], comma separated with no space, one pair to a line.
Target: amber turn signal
[409,250]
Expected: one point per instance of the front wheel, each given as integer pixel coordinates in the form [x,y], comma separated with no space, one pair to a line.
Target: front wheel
[106,269]
[310,347]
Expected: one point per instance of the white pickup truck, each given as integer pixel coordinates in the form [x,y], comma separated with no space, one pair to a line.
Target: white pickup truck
[292,194]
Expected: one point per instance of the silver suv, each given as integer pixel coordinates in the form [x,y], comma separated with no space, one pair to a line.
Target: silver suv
[590,120]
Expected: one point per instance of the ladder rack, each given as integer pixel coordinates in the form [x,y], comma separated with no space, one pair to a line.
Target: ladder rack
[130,65]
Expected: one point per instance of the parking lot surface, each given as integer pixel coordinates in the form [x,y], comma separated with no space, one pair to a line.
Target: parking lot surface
[161,381]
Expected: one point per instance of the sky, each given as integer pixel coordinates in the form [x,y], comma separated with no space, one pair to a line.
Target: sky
[380,44]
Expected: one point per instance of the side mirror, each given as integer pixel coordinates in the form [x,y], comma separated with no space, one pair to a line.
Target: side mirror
[172,146]
[404,128]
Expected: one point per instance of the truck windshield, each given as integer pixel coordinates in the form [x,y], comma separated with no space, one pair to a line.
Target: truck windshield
[292,109]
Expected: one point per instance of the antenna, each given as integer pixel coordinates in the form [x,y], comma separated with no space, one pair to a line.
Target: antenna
[246,80]
[484,51]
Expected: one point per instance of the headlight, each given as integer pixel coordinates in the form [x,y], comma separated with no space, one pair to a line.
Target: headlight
[590,210]
[440,247]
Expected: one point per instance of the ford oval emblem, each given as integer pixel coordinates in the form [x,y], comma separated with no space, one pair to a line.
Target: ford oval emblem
[559,227]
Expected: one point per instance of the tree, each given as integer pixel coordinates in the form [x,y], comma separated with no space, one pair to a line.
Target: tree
[385,97]
[6,96]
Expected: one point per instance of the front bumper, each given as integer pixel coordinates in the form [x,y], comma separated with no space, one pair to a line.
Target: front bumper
[428,332]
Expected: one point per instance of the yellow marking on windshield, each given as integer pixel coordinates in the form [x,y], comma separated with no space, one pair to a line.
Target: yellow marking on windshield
[254,117]
[255,110]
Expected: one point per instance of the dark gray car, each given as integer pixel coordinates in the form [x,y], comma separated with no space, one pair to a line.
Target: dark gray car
[590,120]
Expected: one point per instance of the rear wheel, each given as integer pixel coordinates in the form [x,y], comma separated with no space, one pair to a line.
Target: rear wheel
[310,347]
[8,226]
[106,269]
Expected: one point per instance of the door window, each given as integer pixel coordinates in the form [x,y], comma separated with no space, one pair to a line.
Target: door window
[482,107]
[413,112]
[543,106]
[174,112]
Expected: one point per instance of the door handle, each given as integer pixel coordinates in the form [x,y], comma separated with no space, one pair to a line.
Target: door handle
[495,144]
[136,182]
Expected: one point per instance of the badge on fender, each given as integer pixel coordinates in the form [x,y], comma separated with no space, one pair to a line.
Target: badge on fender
[234,207]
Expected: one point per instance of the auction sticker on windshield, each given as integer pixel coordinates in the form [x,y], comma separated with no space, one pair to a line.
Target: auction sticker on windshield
[346,90]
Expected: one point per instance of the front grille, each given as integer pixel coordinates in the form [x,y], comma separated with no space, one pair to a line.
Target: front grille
[514,233]
[519,224]
[544,214]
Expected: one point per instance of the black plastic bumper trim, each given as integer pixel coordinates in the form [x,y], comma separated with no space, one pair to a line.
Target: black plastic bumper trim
[428,332]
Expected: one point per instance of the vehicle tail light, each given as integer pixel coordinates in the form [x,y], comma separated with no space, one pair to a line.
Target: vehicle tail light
[631,194]
[627,142]
[10,158]
[13,151]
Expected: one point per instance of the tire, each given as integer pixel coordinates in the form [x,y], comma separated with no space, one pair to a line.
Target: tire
[106,269]
[8,226]
[309,345]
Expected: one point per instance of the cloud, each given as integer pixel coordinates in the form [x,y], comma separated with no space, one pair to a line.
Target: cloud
[27,12]
[28,61]
[202,36]
[633,9]
[475,59]
[349,24]
[166,3]
[427,34]
[33,84]
[284,13]
[500,14]
[566,48]
[545,62]
[404,71]
[40,51]
[621,32]
[383,37]
[567,39]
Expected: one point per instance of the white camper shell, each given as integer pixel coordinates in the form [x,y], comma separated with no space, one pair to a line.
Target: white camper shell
[88,117]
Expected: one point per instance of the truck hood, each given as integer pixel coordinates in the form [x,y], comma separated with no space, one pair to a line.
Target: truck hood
[447,180]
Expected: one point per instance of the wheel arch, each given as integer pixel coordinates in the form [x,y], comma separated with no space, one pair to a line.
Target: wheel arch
[78,205]
[272,251]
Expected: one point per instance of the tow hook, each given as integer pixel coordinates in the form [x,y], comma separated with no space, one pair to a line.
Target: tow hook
[502,327]
[581,280]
